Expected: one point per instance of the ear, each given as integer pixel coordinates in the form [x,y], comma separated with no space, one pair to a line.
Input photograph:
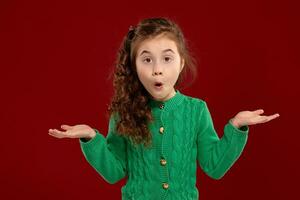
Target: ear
[182,64]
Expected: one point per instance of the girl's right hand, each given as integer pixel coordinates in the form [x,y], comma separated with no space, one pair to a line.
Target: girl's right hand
[77,131]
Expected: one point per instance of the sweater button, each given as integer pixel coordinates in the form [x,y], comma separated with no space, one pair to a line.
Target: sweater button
[161,130]
[161,106]
[165,186]
[163,162]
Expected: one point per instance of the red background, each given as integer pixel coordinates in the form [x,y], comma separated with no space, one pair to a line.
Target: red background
[55,59]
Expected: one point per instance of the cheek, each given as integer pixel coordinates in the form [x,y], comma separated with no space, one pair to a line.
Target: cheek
[142,73]
[174,73]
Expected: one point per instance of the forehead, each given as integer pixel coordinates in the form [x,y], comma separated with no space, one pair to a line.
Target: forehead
[158,44]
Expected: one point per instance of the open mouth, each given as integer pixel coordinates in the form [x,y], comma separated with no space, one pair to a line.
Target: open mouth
[158,85]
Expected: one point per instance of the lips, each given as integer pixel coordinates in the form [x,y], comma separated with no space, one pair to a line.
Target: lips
[158,84]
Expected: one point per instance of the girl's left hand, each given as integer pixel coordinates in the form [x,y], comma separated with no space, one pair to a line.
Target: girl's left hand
[244,118]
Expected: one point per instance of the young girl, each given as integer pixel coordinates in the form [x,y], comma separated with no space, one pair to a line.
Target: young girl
[156,134]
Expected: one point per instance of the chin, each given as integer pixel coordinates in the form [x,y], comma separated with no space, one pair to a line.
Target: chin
[157,97]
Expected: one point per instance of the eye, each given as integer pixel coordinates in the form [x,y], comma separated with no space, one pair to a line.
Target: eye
[147,60]
[168,59]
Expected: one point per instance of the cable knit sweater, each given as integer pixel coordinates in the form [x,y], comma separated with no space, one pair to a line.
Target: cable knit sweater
[182,134]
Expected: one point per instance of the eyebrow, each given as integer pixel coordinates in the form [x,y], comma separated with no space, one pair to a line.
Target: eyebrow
[166,50]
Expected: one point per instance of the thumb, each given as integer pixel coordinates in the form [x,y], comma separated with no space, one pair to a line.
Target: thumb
[66,127]
[259,111]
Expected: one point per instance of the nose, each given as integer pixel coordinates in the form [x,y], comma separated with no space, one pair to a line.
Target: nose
[157,70]
[156,73]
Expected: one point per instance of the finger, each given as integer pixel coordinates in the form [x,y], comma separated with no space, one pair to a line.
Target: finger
[57,133]
[273,116]
[66,127]
[258,119]
[54,133]
[264,119]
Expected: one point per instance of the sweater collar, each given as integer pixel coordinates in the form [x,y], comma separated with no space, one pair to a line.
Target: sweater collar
[168,104]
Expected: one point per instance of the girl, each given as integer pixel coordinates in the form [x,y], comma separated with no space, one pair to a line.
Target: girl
[156,133]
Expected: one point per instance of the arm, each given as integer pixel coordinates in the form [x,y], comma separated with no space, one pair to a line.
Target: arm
[106,155]
[215,155]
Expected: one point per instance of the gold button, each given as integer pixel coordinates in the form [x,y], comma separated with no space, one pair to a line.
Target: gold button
[163,162]
[161,130]
[165,186]
[161,106]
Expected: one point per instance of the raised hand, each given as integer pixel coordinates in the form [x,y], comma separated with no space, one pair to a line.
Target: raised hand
[251,117]
[77,131]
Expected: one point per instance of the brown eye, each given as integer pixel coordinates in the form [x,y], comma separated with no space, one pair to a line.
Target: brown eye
[167,59]
[147,60]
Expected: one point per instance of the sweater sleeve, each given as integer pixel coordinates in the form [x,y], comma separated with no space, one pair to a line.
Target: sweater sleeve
[215,155]
[107,155]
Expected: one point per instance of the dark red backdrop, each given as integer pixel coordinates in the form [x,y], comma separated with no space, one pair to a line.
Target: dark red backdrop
[55,59]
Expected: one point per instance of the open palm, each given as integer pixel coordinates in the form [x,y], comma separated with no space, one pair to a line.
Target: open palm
[77,131]
[252,117]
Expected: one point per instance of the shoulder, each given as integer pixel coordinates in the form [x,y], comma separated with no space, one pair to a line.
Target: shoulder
[195,101]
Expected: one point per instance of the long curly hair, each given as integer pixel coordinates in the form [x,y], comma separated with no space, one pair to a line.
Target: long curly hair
[130,99]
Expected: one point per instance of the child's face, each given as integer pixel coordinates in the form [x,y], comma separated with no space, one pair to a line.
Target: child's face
[158,65]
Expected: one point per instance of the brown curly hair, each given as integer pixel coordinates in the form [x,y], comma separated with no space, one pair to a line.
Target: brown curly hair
[130,99]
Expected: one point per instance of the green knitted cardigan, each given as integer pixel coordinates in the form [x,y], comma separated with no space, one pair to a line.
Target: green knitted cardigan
[182,135]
